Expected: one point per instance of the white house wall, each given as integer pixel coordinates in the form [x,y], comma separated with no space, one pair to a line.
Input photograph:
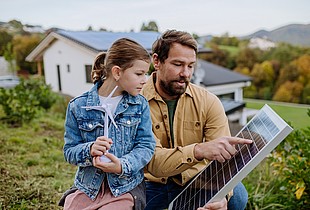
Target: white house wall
[236,88]
[63,54]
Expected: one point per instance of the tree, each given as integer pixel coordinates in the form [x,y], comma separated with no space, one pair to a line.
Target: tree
[287,73]
[284,53]
[9,56]
[218,56]
[17,26]
[22,46]
[244,70]
[305,96]
[289,92]
[151,26]
[263,74]
[5,38]
[263,79]
[303,67]
[225,40]
[246,58]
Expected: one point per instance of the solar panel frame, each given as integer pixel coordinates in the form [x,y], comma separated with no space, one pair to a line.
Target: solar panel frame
[271,138]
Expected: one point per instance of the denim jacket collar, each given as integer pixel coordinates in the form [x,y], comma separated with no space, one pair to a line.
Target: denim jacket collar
[93,97]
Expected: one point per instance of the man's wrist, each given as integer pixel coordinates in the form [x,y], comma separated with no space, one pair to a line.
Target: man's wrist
[198,153]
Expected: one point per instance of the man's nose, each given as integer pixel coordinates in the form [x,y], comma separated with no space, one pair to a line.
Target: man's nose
[186,72]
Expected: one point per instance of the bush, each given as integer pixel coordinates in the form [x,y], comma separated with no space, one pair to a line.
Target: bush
[291,163]
[22,103]
[282,180]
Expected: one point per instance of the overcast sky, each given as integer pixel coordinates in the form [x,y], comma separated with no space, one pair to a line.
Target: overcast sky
[202,17]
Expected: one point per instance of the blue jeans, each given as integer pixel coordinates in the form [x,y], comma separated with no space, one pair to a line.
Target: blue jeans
[158,196]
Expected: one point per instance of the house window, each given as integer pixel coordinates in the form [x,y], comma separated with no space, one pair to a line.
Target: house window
[88,73]
[68,68]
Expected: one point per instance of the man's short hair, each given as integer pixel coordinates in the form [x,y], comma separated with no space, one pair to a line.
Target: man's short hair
[162,45]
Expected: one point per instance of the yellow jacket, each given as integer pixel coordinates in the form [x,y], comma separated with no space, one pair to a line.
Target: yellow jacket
[199,117]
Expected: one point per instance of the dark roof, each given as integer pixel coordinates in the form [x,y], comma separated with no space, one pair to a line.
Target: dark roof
[209,74]
[204,50]
[230,106]
[102,40]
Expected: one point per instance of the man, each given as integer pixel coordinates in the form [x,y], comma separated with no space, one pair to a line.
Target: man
[189,124]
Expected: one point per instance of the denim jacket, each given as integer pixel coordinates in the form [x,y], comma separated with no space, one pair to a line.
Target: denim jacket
[133,141]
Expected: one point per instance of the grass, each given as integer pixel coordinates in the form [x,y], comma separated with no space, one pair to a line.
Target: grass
[232,50]
[294,114]
[34,174]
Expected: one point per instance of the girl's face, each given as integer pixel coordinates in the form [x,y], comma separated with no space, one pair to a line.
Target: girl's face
[132,79]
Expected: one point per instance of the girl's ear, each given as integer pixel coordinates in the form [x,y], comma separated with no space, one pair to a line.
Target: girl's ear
[116,72]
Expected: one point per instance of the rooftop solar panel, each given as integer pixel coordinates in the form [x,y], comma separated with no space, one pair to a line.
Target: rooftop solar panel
[102,40]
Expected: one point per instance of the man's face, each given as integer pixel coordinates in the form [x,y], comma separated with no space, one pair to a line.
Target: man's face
[174,75]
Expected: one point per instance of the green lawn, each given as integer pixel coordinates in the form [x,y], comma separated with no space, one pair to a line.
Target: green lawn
[232,50]
[294,114]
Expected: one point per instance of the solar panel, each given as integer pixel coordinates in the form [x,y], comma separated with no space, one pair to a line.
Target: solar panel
[267,130]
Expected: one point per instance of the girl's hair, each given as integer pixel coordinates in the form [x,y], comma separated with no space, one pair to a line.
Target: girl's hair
[162,45]
[122,53]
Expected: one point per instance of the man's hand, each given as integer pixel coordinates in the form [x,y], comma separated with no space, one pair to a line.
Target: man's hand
[220,149]
[220,205]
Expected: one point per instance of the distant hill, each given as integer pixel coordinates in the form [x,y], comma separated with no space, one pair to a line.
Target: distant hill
[295,34]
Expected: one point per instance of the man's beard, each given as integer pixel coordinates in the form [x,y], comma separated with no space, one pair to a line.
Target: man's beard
[171,89]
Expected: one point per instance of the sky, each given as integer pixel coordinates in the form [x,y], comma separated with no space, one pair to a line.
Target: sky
[201,17]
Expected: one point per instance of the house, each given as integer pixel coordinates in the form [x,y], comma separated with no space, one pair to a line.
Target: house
[227,85]
[5,68]
[68,58]
[261,43]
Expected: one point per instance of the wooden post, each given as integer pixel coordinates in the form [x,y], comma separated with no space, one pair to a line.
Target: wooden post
[39,68]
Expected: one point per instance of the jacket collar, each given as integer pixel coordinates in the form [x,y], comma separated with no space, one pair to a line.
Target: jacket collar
[93,97]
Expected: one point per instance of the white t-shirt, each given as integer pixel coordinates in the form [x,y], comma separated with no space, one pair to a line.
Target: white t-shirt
[113,102]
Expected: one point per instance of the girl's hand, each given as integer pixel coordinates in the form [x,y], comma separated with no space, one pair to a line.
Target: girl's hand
[111,167]
[100,146]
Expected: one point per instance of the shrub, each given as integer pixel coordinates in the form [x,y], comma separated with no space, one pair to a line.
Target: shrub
[291,163]
[282,180]
[22,103]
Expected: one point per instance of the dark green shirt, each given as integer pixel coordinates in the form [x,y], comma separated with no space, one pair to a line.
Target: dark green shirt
[171,104]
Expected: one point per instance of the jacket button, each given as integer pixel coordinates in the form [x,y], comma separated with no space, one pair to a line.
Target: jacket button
[90,125]
[197,124]
[157,126]
[189,160]
[165,116]
[128,122]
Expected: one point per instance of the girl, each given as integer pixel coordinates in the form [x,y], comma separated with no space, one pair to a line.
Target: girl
[117,183]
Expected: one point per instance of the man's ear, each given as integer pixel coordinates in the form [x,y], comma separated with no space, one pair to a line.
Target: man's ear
[155,61]
[116,72]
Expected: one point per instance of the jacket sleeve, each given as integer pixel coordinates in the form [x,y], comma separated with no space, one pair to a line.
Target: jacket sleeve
[76,151]
[143,151]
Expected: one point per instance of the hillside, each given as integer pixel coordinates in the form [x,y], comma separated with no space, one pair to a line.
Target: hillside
[295,34]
